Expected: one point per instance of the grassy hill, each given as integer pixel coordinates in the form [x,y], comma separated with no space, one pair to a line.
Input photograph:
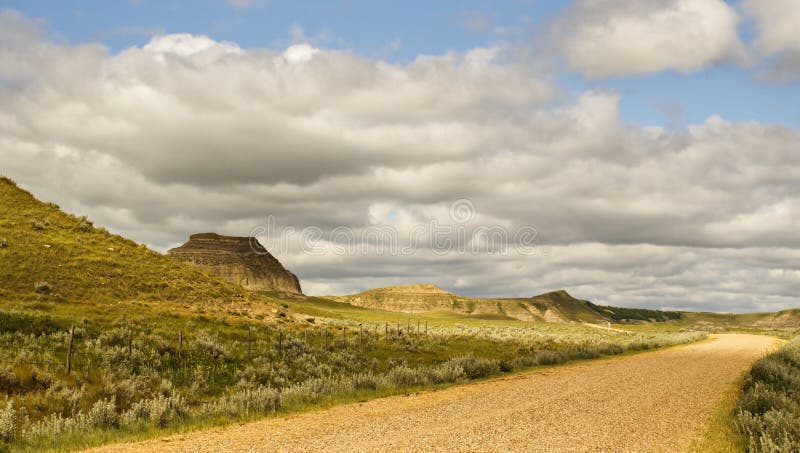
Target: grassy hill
[54,259]
[556,306]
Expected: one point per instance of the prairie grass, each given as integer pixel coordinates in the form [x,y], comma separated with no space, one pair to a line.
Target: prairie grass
[131,377]
[768,410]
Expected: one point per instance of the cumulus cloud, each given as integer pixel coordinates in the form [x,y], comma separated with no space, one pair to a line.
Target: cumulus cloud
[186,134]
[602,38]
[778,33]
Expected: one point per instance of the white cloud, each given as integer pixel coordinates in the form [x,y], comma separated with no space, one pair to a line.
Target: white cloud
[603,38]
[777,34]
[187,134]
[777,23]
[299,53]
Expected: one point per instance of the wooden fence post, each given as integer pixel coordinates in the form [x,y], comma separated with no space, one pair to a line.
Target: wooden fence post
[326,337]
[361,336]
[280,343]
[69,348]
[180,342]
[130,341]
[249,345]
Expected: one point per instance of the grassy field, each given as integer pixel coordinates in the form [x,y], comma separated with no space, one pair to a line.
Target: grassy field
[141,375]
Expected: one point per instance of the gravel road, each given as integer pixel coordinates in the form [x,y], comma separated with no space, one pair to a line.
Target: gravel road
[659,401]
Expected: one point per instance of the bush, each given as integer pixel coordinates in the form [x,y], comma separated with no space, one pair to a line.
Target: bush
[475,368]
[7,422]
[403,376]
[550,358]
[37,225]
[768,410]
[103,414]
[43,287]
[447,372]
[366,381]
[3,243]
[158,411]
[85,225]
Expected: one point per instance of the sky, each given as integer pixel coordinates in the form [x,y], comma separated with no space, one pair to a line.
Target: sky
[634,152]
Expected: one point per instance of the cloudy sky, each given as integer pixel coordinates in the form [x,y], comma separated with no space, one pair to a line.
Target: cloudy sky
[634,152]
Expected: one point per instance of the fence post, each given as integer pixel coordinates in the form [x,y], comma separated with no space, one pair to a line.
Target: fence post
[280,343]
[130,341]
[387,330]
[418,326]
[249,345]
[361,336]
[69,348]
[180,342]
[326,338]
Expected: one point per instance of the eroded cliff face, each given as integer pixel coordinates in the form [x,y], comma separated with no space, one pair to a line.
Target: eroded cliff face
[241,260]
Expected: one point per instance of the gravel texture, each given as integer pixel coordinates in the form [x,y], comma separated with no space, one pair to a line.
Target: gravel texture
[659,401]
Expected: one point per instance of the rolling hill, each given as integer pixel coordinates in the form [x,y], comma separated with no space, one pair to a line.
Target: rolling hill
[48,256]
[556,306]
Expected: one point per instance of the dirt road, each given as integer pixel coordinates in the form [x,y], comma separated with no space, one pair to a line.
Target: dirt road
[658,401]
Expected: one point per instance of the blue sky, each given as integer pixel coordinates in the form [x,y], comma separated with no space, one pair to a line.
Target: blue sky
[400,31]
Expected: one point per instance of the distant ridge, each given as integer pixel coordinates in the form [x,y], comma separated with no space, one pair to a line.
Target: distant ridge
[556,306]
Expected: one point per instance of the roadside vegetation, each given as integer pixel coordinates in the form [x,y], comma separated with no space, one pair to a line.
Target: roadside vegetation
[768,410]
[147,375]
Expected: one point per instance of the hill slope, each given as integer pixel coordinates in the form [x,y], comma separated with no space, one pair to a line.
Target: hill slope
[557,306]
[48,255]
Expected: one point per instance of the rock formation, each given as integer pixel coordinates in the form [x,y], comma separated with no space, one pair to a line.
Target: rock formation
[241,260]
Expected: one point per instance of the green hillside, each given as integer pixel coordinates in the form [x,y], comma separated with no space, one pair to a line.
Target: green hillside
[47,255]
[570,308]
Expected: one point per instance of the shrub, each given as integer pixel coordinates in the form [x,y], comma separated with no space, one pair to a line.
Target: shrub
[476,367]
[760,399]
[768,410]
[403,376]
[37,225]
[103,414]
[158,411]
[366,381]
[550,358]
[43,287]
[245,400]
[85,225]
[447,372]
[7,422]
[3,243]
